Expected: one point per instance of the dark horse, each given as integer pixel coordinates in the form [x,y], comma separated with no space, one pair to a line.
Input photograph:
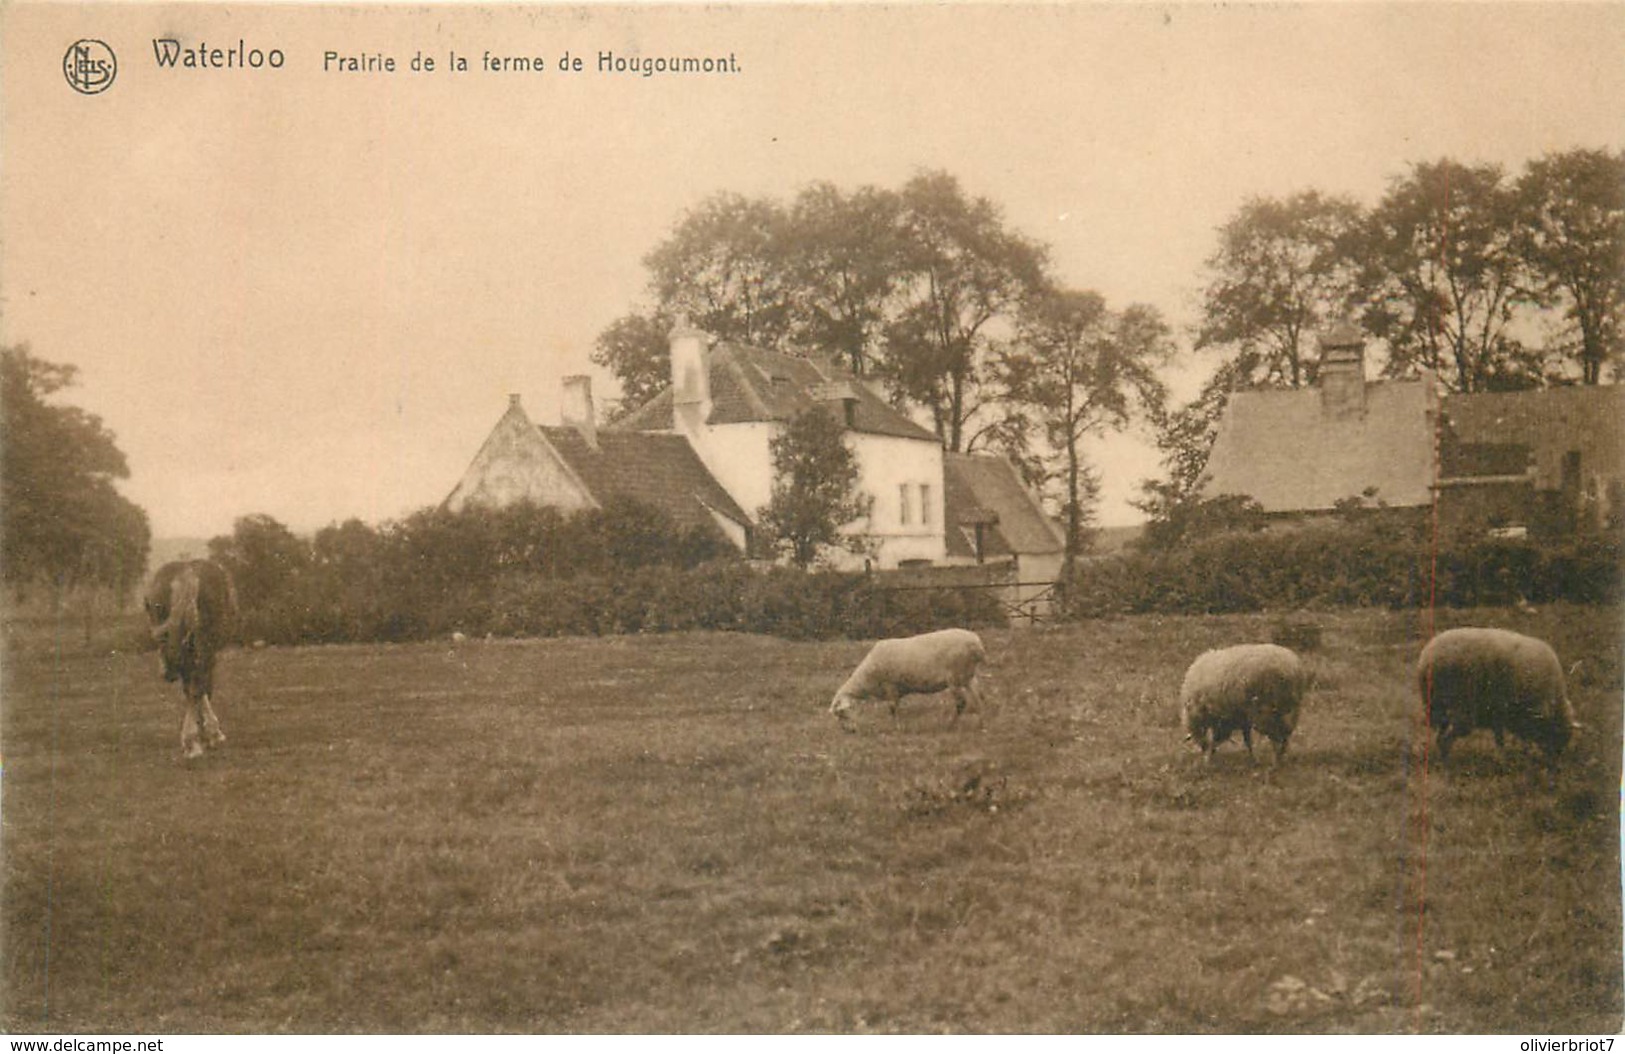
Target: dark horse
[191,605]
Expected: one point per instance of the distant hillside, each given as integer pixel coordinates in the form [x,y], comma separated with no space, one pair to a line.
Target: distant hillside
[167,549]
[1110,540]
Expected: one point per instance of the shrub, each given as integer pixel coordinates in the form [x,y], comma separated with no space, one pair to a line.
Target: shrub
[1364,561]
[1483,571]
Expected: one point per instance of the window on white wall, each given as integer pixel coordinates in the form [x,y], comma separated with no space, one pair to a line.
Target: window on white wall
[902,504]
[925,503]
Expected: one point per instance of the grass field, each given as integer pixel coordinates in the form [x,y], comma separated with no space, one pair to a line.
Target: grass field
[670,834]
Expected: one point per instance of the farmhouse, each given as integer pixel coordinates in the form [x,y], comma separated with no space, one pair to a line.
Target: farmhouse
[1549,461]
[728,401]
[700,451]
[577,466]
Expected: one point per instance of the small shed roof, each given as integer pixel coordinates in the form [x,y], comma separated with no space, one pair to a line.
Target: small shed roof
[986,489]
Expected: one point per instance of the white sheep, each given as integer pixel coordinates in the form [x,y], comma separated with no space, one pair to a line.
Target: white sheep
[1493,678]
[1245,688]
[930,662]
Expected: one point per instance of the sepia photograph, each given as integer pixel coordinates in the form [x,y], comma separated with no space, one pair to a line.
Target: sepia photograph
[812,519]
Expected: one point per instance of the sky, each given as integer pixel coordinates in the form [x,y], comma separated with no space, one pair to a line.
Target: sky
[307,293]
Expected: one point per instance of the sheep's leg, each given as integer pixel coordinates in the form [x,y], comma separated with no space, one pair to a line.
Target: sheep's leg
[1500,737]
[1247,738]
[1447,735]
[974,695]
[891,697]
[1280,748]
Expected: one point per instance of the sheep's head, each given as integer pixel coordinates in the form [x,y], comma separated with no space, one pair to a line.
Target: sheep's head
[1554,733]
[841,707]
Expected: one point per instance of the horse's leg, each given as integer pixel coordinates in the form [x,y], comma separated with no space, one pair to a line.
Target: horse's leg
[190,747]
[212,735]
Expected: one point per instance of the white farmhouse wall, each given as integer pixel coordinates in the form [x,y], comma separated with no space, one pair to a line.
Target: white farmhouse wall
[517,464]
[889,468]
[738,456]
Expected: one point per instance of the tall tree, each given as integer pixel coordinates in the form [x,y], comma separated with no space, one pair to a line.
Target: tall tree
[64,522]
[636,348]
[843,269]
[1571,233]
[1085,370]
[966,273]
[815,481]
[265,560]
[723,266]
[1283,271]
[1184,436]
[1444,278]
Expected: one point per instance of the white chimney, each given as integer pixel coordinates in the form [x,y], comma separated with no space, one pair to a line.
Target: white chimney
[577,411]
[690,375]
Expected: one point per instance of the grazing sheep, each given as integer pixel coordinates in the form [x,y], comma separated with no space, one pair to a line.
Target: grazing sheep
[931,662]
[1493,678]
[1248,687]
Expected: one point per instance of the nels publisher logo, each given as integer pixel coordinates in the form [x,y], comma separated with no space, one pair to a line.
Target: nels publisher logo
[90,67]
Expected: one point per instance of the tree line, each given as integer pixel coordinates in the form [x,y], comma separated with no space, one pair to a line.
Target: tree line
[925,290]
[1489,281]
[63,524]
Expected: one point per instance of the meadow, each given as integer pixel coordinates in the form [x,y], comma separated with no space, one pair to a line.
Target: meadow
[670,834]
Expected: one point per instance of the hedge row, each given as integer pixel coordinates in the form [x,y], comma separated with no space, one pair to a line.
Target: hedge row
[1342,565]
[728,595]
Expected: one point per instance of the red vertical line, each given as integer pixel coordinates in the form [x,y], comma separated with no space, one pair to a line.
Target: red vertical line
[1436,405]
[1425,718]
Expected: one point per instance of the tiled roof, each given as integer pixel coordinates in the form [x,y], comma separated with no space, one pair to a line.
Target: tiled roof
[653,416]
[981,487]
[1281,449]
[1548,422]
[659,470]
[755,384]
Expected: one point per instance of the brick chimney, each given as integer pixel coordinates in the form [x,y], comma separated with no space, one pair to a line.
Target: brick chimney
[1342,371]
[690,375]
[577,410]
